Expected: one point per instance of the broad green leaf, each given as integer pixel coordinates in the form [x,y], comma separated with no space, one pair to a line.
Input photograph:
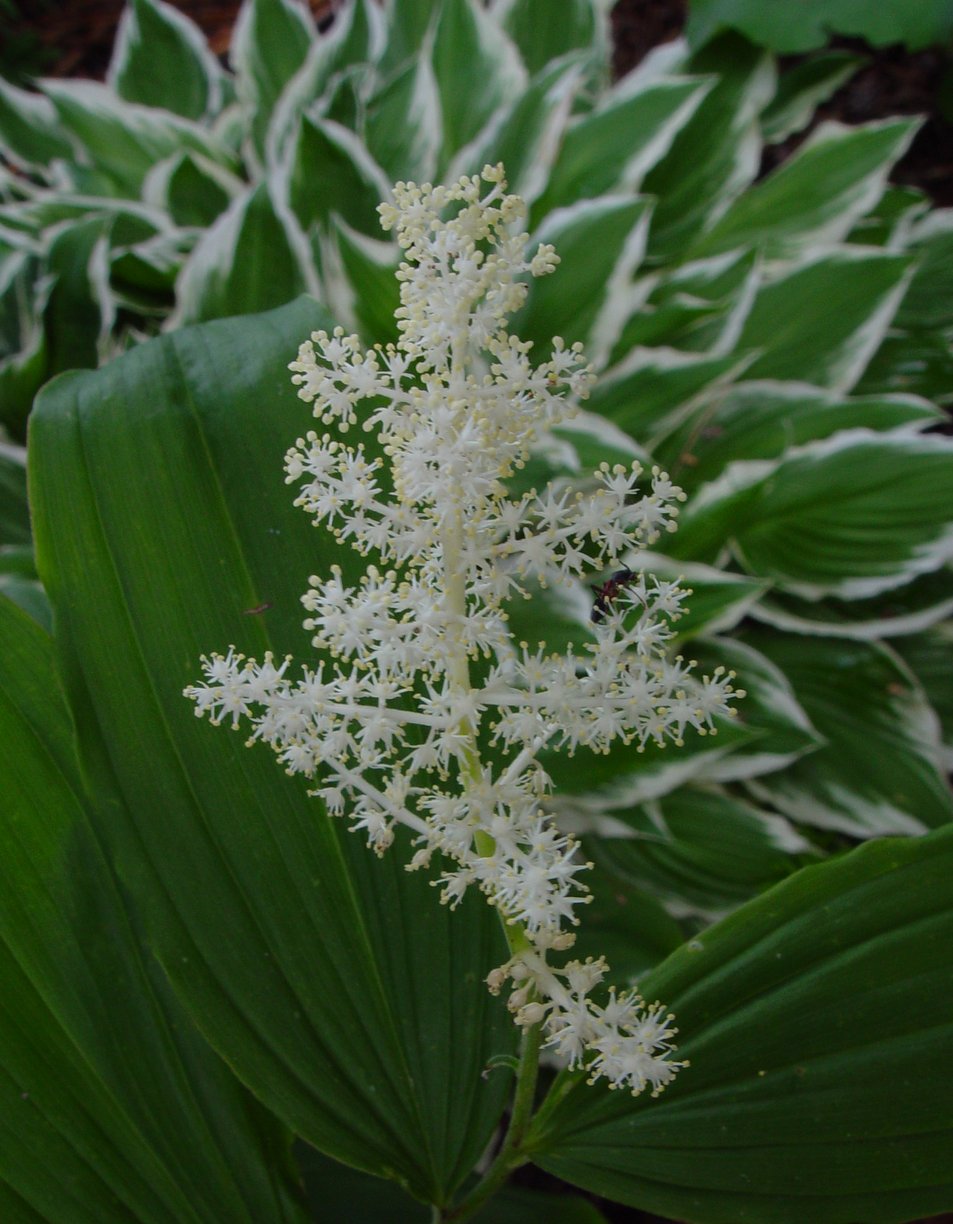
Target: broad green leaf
[600,243]
[623,922]
[715,156]
[700,849]
[123,140]
[762,419]
[160,58]
[269,44]
[823,321]
[613,146]
[804,87]
[349,1001]
[811,23]
[817,1023]
[86,1008]
[477,69]
[854,515]
[79,311]
[908,609]
[813,198]
[245,262]
[879,771]
[918,362]
[30,132]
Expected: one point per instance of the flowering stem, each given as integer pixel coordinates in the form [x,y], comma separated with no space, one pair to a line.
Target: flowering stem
[510,1156]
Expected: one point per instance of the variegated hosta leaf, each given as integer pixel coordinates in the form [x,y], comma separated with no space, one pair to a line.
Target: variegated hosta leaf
[852,516]
[880,770]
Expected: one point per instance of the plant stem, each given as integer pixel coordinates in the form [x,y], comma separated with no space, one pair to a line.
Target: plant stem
[510,1156]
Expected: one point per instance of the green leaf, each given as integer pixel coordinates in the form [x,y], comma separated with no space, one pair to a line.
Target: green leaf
[600,242]
[191,189]
[811,23]
[401,128]
[349,1001]
[803,88]
[854,515]
[582,26]
[879,772]
[88,1134]
[652,389]
[718,599]
[818,1026]
[160,58]
[477,69]
[715,156]
[908,609]
[29,129]
[764,418]
[822,321]
[269,44]
[14,511]
[332,172]
[613,146]
[123,140]
[926,303]
[247,261]
[700,849]
[813,198]
[930,657]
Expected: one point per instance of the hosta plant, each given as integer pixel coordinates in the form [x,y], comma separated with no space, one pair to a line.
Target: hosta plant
[777,347]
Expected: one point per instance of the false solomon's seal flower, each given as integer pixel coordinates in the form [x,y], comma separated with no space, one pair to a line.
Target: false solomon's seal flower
[424,712]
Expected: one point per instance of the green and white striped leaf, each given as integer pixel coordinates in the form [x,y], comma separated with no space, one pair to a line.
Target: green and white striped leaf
[269,45]
[161,59]
[582,26]
[638,117]
[337,989]
[930,657]
[123,140]
[803,88]
[823,321]
[114,1107]
[701,850]
[351,183]
[908,609]
[814,198]
[30,131]
[852,516]
[600,243]
[716,155]
[477,70]
[817,1023]
[762,419]
[879,772]
[402,124]
[249,260]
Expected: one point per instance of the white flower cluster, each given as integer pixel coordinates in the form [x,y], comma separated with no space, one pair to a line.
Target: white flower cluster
[424,712]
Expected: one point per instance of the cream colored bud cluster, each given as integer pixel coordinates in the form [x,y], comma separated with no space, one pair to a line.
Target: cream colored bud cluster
[422,710]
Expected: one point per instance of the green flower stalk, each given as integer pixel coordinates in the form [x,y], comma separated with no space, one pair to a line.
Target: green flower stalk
[425,712]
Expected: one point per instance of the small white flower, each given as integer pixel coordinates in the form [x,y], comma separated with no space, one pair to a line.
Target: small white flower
[420,667]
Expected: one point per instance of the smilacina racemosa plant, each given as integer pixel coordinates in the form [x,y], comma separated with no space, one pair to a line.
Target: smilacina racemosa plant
[424,711]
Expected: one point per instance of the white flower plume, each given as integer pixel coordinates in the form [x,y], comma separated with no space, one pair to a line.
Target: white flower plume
[424,711]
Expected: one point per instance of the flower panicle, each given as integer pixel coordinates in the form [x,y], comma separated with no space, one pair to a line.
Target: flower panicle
[423,711]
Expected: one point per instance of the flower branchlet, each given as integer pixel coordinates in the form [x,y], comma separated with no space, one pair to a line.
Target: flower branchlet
[423,711]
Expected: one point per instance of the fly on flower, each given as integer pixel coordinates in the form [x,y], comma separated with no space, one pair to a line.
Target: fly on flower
[608,593]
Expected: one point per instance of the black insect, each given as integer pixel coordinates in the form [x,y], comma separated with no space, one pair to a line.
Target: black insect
[608,592]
